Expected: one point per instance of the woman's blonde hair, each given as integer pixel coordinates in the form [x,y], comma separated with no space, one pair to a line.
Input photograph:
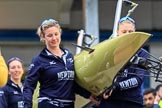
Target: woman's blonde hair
[45,25]
[127,19]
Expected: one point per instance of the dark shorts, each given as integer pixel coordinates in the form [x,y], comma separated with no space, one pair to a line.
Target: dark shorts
[55,104]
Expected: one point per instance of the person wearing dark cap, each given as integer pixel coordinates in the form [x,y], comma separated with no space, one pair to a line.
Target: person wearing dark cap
[53,68]
[11,95]
[3,71]
[126,92]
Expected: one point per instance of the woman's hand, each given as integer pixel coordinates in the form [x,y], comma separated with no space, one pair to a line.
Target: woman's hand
[107,95]
[94,99]
[157,99]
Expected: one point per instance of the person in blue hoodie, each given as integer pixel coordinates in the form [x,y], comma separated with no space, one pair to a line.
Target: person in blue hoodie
[54,69]
[126,92]
[11,95]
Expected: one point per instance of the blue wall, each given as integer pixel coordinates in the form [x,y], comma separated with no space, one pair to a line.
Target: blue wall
[68,35]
